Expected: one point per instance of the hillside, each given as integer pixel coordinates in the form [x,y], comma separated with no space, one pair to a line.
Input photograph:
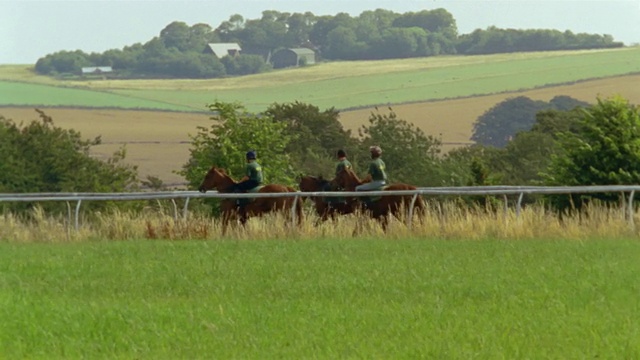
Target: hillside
[343,85]
[158,141]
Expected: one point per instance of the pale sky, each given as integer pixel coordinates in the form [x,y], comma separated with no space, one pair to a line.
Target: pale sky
[32,29]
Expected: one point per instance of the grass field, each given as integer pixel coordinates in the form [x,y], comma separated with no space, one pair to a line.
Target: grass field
[342,85]
[323,298]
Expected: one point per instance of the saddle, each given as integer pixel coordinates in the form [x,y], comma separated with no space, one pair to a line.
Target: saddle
[334,199]
[245,201]
[371,199]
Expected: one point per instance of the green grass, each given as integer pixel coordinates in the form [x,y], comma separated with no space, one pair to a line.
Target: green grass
[16,93]
[342,85]
[330,298]
[428,83]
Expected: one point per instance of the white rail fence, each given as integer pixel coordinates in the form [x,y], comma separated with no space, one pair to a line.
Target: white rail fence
[426,191]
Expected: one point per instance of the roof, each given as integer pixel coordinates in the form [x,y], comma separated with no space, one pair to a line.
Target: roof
[96,69]
[223,49]
[302,51]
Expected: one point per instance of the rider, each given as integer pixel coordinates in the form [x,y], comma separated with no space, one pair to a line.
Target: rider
[342,163]
[253,175]
[377,175]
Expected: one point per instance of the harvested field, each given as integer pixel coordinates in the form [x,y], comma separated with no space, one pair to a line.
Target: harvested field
[158,142]
[454,119]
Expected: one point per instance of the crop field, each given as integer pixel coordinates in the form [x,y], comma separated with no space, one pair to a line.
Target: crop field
[442,95]
[325,298]
[158,141]
[339,85]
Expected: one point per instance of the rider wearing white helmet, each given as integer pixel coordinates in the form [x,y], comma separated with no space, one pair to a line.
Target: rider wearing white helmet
[377,175]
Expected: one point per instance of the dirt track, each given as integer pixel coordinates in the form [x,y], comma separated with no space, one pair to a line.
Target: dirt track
[158,142]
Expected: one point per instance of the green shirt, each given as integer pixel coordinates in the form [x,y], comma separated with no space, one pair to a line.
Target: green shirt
[254,171]
[343,164]
[376,169]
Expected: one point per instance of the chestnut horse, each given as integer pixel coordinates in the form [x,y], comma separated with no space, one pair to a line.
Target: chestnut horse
[325,208]
[218,179]
[385,205]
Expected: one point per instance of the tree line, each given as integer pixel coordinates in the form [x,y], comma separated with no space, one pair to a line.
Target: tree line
[379,34]
[562,142]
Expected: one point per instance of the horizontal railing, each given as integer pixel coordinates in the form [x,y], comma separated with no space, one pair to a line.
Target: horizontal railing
[187,195]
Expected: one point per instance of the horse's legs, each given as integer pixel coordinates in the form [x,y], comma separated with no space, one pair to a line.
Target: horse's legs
[384,221]
[226,218]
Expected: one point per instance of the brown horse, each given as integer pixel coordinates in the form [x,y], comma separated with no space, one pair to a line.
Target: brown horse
[387,204]
[218,179]
[325,208]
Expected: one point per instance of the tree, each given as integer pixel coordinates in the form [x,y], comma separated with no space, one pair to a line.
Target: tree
[235,131]
[402,42]
[342,43]
[39,157]
[244,64]
[604,151]
[500,123]
[316,135]
[410,155]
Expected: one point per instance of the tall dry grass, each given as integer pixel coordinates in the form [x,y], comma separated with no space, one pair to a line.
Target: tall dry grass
[441,221]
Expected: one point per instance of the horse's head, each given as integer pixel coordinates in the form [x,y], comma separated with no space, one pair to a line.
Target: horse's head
[216,178]
[311,183]
[347,179]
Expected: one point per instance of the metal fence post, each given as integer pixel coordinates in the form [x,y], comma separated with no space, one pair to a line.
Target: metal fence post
[411,205]
[175,210]
[78,213]
[185,209]
[506,206]
[519,205]
[630,209]
[293,210]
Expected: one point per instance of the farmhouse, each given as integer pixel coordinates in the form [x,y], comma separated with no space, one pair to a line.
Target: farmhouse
[293,57]
[221,50]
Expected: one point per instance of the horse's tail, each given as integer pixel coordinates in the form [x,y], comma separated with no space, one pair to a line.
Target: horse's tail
[299,210]
[420,208]
[299,203]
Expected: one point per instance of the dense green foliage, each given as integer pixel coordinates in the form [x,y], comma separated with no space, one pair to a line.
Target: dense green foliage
[498,125]
[409,154]
[321,299]
[316,136]
[233,132]
[494,40]
[604,151]
[380,34]
[40,157]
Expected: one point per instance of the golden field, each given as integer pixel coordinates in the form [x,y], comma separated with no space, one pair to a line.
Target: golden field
[158,142]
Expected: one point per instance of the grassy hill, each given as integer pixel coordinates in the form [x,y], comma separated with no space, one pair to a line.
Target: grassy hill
[343,85]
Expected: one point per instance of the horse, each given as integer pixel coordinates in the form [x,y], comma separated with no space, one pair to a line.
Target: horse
[325,207]
[387,204]
[217,178]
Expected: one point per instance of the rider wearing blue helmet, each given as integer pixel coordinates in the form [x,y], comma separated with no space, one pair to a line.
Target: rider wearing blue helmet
[253,175]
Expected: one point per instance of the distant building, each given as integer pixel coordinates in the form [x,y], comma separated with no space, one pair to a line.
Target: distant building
[293,57]
[96,70]
[221,50]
